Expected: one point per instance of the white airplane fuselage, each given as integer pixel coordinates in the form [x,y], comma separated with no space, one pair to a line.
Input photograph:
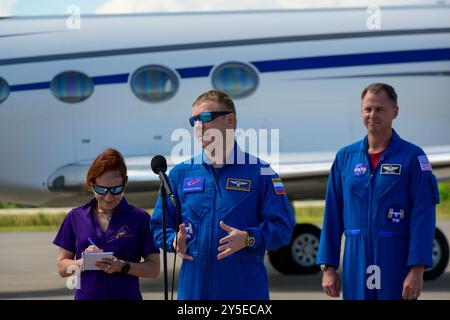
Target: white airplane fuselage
[311,64]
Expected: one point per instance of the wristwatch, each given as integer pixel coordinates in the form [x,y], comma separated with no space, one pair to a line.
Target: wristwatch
[250,239]
[324,267]
[125,267]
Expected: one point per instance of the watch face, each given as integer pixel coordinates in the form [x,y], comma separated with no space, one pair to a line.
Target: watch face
[251,241]
[323,267]
[125,268]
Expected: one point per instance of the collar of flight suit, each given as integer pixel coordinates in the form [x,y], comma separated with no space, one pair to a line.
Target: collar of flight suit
[393,147]
[238,155]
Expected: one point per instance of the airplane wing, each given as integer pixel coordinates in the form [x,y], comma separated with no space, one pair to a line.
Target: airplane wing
[305,176]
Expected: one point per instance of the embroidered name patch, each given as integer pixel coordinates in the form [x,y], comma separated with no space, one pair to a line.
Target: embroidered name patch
[238,184]
[193,184]
[425,165]
[278,186]
[391,169]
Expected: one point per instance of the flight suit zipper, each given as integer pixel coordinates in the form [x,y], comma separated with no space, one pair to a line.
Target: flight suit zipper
[371,237]
[212,235]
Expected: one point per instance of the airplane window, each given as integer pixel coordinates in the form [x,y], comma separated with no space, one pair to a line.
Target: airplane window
[4,90]
[72,86]
[237,79]
[154,83]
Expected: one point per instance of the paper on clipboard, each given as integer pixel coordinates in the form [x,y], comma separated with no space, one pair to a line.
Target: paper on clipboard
[91,258]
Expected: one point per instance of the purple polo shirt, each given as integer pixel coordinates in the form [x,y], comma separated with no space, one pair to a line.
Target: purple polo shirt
[128,236]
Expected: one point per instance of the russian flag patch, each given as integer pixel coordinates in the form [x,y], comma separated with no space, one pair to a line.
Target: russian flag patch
[278,186]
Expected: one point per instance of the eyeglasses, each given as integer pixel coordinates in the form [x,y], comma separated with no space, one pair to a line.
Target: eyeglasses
[207,116]
[101,190]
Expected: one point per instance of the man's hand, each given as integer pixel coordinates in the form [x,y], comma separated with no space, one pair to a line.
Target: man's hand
[179,243]
[413,284]
[331,283]
[234,241]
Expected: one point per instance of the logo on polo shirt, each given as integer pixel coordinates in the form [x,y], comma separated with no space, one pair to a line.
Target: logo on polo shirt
[238,184]
[195,184]
[123,232]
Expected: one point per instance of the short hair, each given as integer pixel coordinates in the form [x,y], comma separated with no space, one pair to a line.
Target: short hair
[109,160]
[218,97]
[377,87]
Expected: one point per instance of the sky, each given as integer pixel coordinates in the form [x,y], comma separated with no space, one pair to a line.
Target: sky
[60,7]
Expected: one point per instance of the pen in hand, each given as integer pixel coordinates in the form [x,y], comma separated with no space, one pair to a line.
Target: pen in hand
[91,242]
[93,246]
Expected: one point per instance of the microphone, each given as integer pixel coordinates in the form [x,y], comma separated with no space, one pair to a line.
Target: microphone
[159,167]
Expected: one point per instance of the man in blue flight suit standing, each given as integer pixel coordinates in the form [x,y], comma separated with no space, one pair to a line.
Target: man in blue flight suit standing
[382,194]
[233,208]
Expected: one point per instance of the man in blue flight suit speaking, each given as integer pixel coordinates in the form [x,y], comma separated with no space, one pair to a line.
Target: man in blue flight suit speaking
[382,195]
[233,208]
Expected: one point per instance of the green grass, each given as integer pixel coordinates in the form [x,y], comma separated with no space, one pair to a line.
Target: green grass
[29,228]
[26,220]
[8,205]
[309,215]
[444,190]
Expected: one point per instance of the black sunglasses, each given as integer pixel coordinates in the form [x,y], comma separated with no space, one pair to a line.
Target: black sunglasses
[101,190]
[207,116]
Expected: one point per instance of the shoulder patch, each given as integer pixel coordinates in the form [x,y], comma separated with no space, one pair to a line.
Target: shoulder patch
[278,186]
[425,165]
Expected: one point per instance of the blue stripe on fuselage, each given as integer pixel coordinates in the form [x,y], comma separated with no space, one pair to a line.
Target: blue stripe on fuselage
[332,61]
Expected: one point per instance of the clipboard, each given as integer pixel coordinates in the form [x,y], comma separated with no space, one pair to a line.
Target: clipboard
[91,258]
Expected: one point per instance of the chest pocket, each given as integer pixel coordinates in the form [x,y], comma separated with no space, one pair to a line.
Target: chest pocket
[388,185]
[357,185]
[196,204]
[242,200]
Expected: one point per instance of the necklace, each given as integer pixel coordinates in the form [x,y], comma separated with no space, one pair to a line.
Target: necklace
[108,215]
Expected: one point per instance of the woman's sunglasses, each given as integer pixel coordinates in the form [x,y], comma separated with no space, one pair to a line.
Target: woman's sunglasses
[101,190]
[207,116]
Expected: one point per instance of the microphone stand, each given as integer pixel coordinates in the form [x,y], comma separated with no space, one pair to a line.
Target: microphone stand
[163,193]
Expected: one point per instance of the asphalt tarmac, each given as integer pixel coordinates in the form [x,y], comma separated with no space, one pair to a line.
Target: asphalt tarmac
[28,271]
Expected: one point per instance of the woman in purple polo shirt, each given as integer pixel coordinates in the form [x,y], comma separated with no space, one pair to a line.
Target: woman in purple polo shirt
[112,224]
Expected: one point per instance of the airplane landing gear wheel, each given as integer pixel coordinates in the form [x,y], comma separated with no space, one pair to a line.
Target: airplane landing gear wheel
[439,258]
[299,257]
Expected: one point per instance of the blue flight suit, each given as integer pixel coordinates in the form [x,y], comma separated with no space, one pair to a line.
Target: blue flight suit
[387,214]
[242,198]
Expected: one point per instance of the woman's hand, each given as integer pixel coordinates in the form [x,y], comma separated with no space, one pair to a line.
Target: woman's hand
[93,248]
[110,265]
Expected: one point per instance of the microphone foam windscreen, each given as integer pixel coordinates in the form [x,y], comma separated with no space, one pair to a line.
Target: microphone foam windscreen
[158,164]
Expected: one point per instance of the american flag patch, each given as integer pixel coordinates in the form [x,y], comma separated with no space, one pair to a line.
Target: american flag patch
[278,186]
[425,165]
